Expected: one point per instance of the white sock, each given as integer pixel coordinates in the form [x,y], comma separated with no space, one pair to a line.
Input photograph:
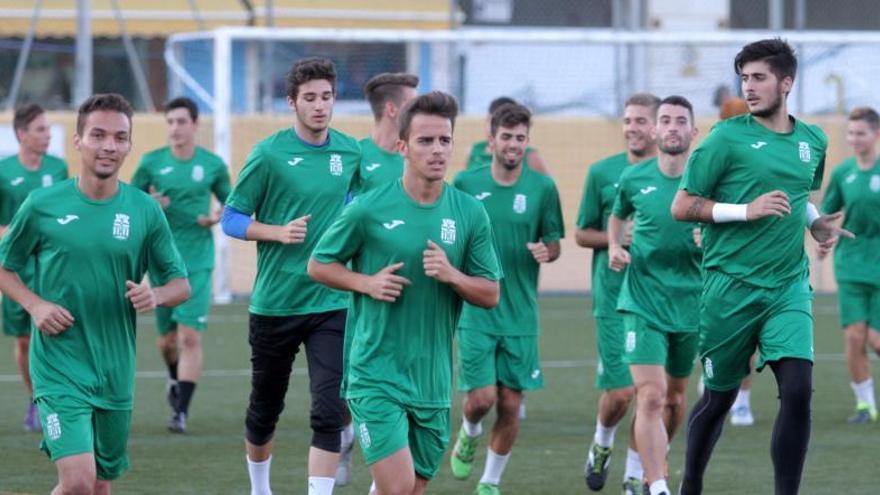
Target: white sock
[633,466]
[604,436]
[865,392]
[372,488]
[259,474]
[495,465]
[321,486]
[743,399]
[471,429]
[659,487]
[346,437]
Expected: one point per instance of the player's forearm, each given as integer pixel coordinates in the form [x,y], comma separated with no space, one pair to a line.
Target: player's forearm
[554,249]
[690,208]
[173,293]
[615,231]
[478,291]
[258,231]
[337,276]
[12,287]
[591,238]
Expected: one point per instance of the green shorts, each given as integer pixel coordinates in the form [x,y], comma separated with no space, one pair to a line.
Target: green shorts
[485,359]
[676,351]
[736,318]
[194,311]
[72,426]
[384,426]
[16,321]
[859,303]
[611,371]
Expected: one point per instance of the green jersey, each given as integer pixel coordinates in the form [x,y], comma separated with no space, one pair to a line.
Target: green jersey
[663,281]
[600,189]
[377,167]
[403,350]
[85,251]
[189,185]
[857,192]
[739,161]
[527,211]
[481,157]
[282,180]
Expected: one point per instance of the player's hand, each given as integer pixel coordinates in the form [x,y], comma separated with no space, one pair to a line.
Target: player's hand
[618,258]
[774,203]
[208,221]
[163,201]
[539,251]
[436,263]
[628,227]
[824,248]
[141,296]
[50,318]
[825,228]
[295,231]
[698,237]
[385,285]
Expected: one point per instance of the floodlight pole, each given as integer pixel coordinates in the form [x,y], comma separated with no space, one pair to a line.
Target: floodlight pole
[82,88]
[23,56]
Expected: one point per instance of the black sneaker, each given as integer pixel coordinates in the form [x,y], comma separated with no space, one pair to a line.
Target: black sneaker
[177,423]
[596,469]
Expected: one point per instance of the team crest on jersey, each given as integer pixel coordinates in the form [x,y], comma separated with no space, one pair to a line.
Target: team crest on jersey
[198,174]
[121,226]
[335,164]
[874,184]
[47,180]
[804,151]
[447,231]
[519,203]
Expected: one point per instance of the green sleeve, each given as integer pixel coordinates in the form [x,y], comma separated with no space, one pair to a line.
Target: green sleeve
[163,260]
[221,186]
[820,170]
[21,238]
[552,225]
[623,206]
[357,182]
[141,178]
[481,259]
[344,239]
[64,173]
[833,201]
[705,166]
[590,210]
[247,195]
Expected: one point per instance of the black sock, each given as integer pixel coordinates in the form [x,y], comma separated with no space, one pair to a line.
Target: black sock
[704,429]
[185,391]
[791,433]
[172,370]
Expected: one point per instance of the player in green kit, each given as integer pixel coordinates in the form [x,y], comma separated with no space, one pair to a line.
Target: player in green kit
[612,375]
[93,239]
[294,183]
[417,249]
[749,182]
[481,154]
[660,296]
[32,168]
[183,177]
[498,348]
[855,189]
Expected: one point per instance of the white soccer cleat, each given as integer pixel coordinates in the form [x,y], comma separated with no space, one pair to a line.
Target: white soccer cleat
[741,416]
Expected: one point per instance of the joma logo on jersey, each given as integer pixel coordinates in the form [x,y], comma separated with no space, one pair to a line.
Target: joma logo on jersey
[121,226]
[335,164]
[447,231]
[47,180]
[874,184]
[16,181]
[198,174]
[519,203]
[804,151]
[53,427]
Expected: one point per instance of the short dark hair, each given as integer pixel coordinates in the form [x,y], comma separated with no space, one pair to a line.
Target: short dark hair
[104,102]
[184,102]
[310,69]
[679,101]
[778,54]
[387,87]
[648,100]
[24,115]
[433,103]
[866,114]
[510,115]
[500,101]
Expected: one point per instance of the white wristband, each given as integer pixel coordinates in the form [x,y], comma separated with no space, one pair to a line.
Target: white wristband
[812,214]
[729,212]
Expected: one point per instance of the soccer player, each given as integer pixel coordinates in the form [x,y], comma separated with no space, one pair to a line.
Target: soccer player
[498,348]
[32,168]
[294,183]
[749,182]
[612,375]
[93,239]
[183,177]
[855,189]
[660,295]
[418,248]
[481,154]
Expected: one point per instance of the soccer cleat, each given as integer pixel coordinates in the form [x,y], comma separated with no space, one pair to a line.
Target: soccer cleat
[634,486]
[32,419]
[177,423]
[487,489]
[741,416]
[864,414]
[171,393]
[462,458]
[596,469]
[343,469]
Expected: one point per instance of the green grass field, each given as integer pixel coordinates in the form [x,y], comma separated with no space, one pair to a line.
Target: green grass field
[548,457]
